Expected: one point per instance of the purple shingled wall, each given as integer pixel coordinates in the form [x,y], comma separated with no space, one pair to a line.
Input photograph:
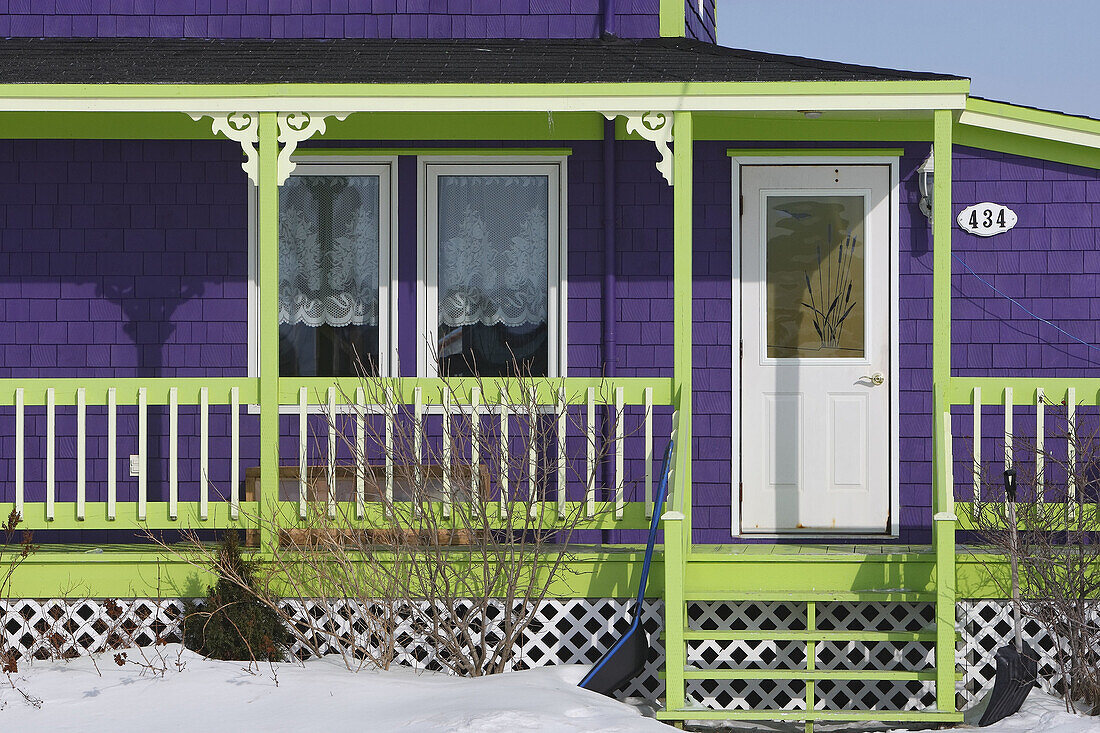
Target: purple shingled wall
[325,18]
[129,259]
[700,17]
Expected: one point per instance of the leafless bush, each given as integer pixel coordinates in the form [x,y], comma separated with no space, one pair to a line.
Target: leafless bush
[12,555]
[1058,516]
[454,541]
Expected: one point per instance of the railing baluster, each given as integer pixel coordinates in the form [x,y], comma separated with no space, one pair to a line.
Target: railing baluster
[330,464]
[418,446]
[590,467]
[19,437]
[620,477]
[235,452]
[81,451]
[51,487]
[503,448]
[1040,433]
[391,428]
[204,453]
[648,452]
[1071,452]
[447,438]
[532,456]
[1008,428]
[475,446]
[977,450]
[112,452]
[563,414]
[173,453]
[143,452]
[303,438]
[360,452]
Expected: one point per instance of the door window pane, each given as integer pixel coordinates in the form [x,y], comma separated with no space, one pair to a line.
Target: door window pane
[492,275]
[328,275]
[815,276]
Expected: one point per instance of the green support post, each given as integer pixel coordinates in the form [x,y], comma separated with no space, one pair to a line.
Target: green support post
[682,176]
[943,521]
[675,649]
[268,279]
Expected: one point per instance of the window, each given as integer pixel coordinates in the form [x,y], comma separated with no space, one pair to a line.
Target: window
[334,270]
[491,269]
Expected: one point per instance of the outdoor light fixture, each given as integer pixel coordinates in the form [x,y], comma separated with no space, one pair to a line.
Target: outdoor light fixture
[925,176]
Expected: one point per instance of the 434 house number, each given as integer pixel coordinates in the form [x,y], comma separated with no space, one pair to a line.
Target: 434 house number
[987,219]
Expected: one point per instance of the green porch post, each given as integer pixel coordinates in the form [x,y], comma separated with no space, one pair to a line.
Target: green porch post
[682,174]
[268,281]
[943,521]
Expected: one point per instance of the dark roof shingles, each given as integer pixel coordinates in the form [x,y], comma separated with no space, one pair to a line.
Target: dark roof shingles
[260,61]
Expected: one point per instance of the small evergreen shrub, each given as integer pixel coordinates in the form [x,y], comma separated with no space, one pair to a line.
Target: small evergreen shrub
[233,623]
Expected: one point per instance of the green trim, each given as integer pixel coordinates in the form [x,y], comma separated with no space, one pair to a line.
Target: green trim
[427,152]
[816,152]
[471,125]
[126,390]
[673,19]
[1036,116]
[103,126]
[805,674]
[251,92]
[728,126]
[941,249]
[1027,146]
[810,635]
[127,517]
[893,716]
[432,390]
[1055,389]
[267,245]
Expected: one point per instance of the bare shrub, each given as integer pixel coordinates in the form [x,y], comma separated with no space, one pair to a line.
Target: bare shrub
[1058,516]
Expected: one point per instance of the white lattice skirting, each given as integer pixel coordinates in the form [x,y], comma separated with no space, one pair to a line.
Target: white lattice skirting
[577,631]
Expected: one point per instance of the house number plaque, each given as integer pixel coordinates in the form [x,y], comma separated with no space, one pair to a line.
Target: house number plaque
[987,219]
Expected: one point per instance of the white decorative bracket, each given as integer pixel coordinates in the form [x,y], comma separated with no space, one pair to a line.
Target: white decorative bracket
[244,128]
[241,127]
[296,127]
[655,127]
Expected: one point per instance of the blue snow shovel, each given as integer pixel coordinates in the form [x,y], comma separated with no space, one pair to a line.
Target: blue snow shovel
[626,658]
[1017,668]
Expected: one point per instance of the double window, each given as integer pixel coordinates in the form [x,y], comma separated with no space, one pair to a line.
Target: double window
[489,250]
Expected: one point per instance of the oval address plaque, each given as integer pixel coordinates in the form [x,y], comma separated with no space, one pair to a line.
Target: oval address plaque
[987,219]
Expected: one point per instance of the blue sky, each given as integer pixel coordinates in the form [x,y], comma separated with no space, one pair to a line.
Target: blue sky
[1041,53]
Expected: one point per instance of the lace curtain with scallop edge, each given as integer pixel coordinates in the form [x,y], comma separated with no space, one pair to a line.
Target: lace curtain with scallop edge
[328,251]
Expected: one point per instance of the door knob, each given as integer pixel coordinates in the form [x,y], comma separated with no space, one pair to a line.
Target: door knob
[876,379]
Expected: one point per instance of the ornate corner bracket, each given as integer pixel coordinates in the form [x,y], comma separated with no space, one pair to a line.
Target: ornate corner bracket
[655,127]
[240,127]
[244,128]
[296,127]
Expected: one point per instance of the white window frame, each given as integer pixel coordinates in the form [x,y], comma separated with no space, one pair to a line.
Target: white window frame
[386,169]
[429,168]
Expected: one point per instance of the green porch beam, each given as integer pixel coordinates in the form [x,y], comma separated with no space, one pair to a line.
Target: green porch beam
[268,285]
[941,248]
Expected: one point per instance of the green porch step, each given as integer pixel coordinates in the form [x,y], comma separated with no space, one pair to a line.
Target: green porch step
[839,716]
[892,675]
[884,595]
[805,635]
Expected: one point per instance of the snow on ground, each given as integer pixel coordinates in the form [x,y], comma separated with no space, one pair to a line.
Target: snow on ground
[207,695]
[321,695]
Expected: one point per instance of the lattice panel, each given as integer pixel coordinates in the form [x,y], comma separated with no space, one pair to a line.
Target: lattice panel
[986,627]
[578,631]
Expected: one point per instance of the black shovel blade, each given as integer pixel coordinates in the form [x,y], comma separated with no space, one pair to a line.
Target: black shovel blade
[622,662]
[1017,673]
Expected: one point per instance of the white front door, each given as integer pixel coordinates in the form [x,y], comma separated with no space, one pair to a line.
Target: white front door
[815,364]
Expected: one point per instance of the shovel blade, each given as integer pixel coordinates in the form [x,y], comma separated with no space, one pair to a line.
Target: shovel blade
[622,662]
[1017,673]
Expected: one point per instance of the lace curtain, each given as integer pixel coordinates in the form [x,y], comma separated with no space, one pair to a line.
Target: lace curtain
[328,251]
[492,250]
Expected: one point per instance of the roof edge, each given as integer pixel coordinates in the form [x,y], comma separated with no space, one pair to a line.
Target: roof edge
[1032,122]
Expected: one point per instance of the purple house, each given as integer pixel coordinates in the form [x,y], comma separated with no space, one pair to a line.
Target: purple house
[839,289]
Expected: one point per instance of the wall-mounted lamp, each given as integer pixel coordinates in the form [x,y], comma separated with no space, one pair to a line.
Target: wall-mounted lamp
[925,176]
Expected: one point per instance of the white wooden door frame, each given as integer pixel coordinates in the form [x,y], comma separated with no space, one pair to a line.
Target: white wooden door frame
[735,298]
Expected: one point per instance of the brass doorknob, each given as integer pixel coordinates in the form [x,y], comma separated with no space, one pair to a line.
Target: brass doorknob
[876,379]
